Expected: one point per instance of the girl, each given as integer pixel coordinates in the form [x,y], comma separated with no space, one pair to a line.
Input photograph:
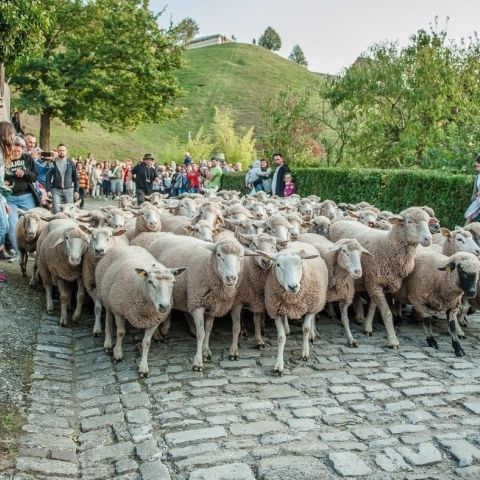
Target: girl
[106,174]
[289,188]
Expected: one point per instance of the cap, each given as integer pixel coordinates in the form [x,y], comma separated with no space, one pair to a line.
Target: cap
[148,156]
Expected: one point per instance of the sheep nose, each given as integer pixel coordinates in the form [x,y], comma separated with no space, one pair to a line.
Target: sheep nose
[477,252]
[162,308]
[427,241]
[471,292]
[99,251]
[358,272]
[294,288]
[231,280]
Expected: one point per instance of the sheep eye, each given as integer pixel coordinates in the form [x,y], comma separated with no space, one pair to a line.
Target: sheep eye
[150,282]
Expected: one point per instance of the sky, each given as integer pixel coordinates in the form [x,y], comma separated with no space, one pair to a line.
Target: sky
[332,33]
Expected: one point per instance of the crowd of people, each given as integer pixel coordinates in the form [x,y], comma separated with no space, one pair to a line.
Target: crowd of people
[31,177]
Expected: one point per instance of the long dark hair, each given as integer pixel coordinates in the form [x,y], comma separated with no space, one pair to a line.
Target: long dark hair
[6,141]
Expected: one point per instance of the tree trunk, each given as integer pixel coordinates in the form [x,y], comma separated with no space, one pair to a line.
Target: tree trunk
[45,119]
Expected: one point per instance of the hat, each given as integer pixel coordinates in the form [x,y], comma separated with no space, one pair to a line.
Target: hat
[148,156]
[218,156]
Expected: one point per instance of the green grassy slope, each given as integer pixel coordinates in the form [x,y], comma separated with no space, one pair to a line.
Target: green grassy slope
[233,75]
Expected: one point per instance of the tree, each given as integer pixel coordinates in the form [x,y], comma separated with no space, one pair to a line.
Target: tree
[187,29]
[270,40]
[22,23]
[298,56]
[105,61]
[292,126]
[412,106]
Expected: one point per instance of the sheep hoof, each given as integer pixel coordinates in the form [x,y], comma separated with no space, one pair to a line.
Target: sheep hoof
[368,334]
[143,374]
[207,357]
[243,333]
[277,372]
[432,342]
[261,346]
[353,344]
[96,334]
[197,368]
[304,358]
[462,336]
[459,352]
[49,312]
[233,357]
[393,347]
[117,360]
[108,350]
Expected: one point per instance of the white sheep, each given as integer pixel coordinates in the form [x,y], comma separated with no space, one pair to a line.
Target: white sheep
[149,285]
[296,286]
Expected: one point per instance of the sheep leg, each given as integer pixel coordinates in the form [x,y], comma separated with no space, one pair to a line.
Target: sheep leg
[314,335]
[207,353]
[459,352]
[307,327]
[358,309]
[378,297]
[165,326]
[23,262]
[118,349]
[346,324]
[77,314]
[64,290]
[427,328]
[198,318]
[257,321]
[235,314]
[146,342]
[282,338]
[460,332]
[330,310]
[462,317]
[286,325]
[107,344]
[369,320]
[33,280]
[97,327]
[49,298]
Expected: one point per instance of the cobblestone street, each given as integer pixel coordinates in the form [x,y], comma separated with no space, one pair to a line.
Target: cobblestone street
[370,411]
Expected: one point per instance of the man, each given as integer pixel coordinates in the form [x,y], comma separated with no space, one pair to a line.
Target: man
[62,180]
[278,184]
[144,174]
[214,175]
[31,142]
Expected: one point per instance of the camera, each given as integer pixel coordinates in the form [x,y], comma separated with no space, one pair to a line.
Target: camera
[46,156]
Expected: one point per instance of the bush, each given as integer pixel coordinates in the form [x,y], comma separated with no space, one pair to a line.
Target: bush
[395,190]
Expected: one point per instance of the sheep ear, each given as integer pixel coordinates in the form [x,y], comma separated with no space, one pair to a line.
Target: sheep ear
[365,251]
[47,219]
[248,253]
[307,256]
[21,212]
[141,272]
[118,232]
[58,242]
[335,247]
[211,247]
[445,232]
[259,224]
[449,267]
[188,227]
[458,228]
[263,254]
[434,221]
[177,271]
[396,220]
[246,237]
[349,213]
[85,229]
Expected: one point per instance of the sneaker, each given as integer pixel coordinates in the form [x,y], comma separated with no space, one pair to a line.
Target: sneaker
[14,259]
[3,277]
[4,255]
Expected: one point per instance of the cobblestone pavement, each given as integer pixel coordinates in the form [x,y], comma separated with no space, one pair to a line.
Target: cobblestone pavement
[370,411]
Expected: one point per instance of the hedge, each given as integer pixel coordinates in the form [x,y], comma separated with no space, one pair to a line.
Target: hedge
[395,190]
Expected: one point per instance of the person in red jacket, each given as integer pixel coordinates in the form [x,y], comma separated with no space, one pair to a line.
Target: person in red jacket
[193,177]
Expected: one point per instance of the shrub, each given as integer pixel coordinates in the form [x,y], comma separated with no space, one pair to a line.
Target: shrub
[395,190]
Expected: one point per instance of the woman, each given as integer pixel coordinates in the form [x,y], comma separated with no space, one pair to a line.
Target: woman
[116,180]
[106,174]
[20,177]
[7,134]
[264,181]
[473,212]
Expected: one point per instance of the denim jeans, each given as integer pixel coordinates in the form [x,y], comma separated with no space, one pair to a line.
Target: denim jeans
[61,195]
[3,220]
[25,202]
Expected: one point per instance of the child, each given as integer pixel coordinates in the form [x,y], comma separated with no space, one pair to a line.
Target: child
[289,188]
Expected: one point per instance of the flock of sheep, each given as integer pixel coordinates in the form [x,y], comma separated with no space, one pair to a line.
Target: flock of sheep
[290,258]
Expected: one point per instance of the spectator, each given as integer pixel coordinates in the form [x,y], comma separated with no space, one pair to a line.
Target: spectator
[92,177]
[193,178]
[20,176]
[238,167]
[7,135]
[289,188]
[43,164]
[97,180]
[17,123]
[128,178]
[106,175]
[83,183]
[116,179]
[264,177]
[214,175]
[278,183]
[31,142]
[62,180]
[167,183]
[252,176]
[179,182]
[187,159]
[144,174]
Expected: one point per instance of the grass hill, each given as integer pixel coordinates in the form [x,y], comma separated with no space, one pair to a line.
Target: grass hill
[237,76]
